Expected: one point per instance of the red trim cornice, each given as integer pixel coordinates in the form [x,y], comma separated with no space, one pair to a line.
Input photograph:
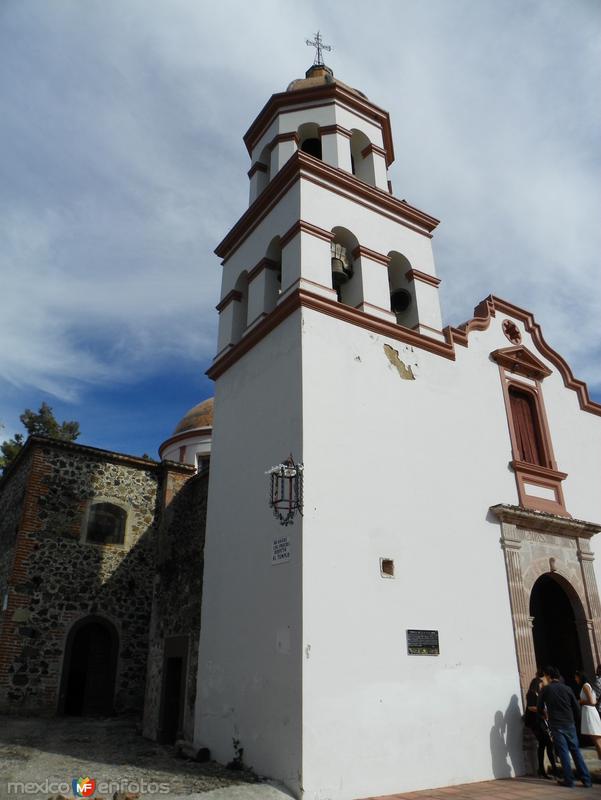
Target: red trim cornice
[484,313]
[256,167]
[178,437]
[283,137]
[307,227]
[519,359]
[230,296]
[264,263]
[379,258]
[334,92]
[373,148]
[326,129]
[302,298]
[303,165]
[416,275]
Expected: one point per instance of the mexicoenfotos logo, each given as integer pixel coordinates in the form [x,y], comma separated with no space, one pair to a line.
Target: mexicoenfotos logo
[83,787]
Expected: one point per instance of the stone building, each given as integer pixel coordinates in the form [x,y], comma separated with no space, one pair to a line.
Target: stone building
[78,552]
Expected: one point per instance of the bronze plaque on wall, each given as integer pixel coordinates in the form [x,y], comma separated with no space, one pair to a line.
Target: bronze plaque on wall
[422,643]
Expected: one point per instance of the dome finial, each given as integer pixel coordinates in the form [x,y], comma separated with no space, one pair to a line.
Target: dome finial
[319,46]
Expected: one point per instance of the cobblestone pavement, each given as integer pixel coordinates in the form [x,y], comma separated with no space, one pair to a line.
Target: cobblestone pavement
[57,750]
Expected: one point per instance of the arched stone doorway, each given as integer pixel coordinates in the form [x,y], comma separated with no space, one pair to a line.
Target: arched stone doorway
[89,668]
[555,610]
[552,586]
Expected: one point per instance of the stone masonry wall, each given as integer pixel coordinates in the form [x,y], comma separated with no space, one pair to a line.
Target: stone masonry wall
[58,579]
[178,593]
[12,495]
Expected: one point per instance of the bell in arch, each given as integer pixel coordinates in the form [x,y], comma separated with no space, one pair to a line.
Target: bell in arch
[342,271]
[400,300]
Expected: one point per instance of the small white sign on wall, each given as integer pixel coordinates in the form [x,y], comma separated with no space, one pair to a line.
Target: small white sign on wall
[281,550]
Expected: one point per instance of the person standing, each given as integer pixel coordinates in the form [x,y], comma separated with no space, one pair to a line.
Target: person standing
[597,687]
[590,722]
[539,727]
[558,703]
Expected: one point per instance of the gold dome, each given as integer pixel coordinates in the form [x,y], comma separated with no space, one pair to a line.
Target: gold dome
[319,75]
[201,416]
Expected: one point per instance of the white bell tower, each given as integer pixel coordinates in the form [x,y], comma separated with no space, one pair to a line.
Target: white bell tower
[323,267]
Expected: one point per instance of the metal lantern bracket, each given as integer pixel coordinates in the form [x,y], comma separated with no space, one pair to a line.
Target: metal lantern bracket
[286,490]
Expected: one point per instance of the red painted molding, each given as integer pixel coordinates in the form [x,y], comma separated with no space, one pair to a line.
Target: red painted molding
[205,432]
[416,275]
[230,296]
[283,137]
[320,95]
[519,359]
[302,165]
[373,148]
[380,258]
[484,313]
[326,129]
[306,227]
[256,167]
[264,263]
[302,298]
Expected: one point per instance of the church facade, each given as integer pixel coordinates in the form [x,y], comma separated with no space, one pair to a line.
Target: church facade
[450,499]
[383,640]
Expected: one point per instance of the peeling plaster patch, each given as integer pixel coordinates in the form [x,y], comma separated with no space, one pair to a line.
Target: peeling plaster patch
[404,371]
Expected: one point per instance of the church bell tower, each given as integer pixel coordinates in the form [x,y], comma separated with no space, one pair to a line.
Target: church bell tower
[323,272]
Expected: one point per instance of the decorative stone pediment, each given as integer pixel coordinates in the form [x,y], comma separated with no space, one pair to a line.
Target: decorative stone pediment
[519,359]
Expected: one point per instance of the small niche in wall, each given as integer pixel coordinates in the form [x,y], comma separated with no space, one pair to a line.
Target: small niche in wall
[387,567]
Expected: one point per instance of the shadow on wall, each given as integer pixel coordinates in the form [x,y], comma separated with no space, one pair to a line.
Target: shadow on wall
[506,741]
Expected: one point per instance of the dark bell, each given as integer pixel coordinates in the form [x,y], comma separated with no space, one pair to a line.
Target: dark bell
[400,300]
[340,275]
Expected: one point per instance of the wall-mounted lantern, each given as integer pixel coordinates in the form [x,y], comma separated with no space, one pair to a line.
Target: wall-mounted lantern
[286,490]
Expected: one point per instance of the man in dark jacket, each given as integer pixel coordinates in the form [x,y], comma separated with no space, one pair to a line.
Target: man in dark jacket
[558,703]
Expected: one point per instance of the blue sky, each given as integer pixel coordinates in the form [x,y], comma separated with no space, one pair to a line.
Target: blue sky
[122,166]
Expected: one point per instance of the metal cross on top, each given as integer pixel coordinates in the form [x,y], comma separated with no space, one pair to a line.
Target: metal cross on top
[319,46]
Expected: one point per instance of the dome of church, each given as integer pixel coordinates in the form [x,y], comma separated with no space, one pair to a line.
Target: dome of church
[319,75]
[201,416]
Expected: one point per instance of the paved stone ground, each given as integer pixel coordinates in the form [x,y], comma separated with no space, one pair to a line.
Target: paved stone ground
[508,789]
[60,749]
[111,750]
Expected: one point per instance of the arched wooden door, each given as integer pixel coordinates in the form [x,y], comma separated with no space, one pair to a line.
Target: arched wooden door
[89,668]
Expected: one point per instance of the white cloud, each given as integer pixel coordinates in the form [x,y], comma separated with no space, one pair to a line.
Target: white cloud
[125,163]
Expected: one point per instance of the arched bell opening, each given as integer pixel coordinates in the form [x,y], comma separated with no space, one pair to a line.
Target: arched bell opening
[240,315]
[273,284]
[559,627]
[309,139]
[89,668]
[402,291]
[362,164]
[345,279]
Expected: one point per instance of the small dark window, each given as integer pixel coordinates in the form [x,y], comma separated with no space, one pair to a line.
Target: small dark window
[106,524]
[387,567]
[312,146]
[526,426]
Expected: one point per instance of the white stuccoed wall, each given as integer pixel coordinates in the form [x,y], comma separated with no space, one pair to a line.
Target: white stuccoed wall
[249,685]
[306,663]
[408,470]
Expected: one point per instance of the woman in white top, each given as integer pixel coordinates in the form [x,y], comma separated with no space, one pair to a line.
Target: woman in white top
[590,722]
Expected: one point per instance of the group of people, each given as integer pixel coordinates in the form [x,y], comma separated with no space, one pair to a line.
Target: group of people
[553,714]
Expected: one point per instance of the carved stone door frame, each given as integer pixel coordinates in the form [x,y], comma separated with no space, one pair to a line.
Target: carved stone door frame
[536,544]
